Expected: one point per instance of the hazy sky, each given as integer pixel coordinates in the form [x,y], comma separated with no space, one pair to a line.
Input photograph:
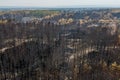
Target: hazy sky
[59,3]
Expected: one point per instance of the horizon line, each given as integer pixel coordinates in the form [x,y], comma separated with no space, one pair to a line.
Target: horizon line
[72,6]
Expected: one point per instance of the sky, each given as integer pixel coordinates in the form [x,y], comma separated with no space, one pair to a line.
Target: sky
[59,3]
